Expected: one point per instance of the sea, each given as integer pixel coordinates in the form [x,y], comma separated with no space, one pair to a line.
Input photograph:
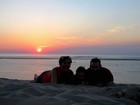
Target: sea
[125,68]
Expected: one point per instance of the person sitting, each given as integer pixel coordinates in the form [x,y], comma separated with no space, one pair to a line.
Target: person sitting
[98,75]
[61,74]
[80,76]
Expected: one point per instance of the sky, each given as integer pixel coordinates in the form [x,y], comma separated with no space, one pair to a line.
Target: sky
[70,26]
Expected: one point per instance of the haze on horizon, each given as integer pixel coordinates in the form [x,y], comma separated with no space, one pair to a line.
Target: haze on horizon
[70,26]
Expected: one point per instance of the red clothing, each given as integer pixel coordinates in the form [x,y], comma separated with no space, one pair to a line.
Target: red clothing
[62,76]
[45,77]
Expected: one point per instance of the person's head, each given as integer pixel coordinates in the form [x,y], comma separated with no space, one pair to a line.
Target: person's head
[80,73]
[95,64]
[65,62]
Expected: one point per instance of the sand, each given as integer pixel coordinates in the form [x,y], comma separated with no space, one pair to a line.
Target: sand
[26,92]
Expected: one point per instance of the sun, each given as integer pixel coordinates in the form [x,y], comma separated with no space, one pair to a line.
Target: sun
[39,50]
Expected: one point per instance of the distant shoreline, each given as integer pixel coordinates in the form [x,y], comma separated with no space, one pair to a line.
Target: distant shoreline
[122,59]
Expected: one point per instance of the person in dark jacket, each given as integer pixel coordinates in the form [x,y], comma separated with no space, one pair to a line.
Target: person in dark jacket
[98,75]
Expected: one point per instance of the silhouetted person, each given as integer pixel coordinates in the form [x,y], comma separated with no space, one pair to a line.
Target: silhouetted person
[62,74]
[80,76]
[98,75]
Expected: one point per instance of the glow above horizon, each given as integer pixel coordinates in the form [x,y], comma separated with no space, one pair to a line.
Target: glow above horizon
[28,24]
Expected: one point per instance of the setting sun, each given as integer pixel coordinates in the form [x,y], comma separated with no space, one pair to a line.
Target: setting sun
[39,49]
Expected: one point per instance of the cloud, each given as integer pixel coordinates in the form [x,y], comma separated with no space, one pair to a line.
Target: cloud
[103,49]
[66,37]
[42,46]
[78,40]
[120,29]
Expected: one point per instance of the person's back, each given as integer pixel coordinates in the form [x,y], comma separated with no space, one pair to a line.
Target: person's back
[44,77]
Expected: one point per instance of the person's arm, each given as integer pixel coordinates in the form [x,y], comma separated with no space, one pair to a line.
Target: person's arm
[54,75]
[110,78]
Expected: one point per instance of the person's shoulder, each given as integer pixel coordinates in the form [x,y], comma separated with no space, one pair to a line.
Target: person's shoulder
[88,69]
[70,71]
[55,68]
[104,68]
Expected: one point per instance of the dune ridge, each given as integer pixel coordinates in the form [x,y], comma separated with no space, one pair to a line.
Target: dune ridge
[26,92]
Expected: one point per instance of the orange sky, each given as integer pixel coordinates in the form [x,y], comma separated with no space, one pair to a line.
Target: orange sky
[53,25]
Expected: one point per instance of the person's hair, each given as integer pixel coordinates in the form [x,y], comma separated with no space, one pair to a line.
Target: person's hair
[64,58]
[95,60]
[80,69]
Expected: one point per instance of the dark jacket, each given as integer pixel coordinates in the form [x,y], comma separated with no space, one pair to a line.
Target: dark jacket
[101,76]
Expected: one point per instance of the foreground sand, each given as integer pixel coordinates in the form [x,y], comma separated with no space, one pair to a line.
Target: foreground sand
[21,92]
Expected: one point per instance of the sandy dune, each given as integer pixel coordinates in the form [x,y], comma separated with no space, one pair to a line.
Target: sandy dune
[25,92]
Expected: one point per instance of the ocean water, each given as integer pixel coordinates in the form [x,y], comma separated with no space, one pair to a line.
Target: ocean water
[125,68]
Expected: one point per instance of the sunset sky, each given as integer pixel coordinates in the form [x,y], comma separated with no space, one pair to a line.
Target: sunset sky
[70,26]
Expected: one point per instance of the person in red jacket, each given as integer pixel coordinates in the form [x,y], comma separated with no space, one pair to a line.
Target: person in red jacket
[61,74]
[98,75]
